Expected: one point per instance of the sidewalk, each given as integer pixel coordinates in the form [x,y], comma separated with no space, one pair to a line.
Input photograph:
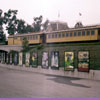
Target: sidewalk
[94,75]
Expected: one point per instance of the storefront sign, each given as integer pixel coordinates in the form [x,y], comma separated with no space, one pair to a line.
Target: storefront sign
[27,63]
[20,58]
[0,57]
[7,58]
[54,59]
[15,58]
[45,60]
[10,58]
[34,59]
[69,61]
[83,58]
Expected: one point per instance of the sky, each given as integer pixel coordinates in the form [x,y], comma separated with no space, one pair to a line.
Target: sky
[68,10]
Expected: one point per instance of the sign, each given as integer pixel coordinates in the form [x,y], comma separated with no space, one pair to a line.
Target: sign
[27,63]
[34,59]
[15,58]
[83,61]
[45,60]
[7,58]
[55,59]
[10,58]
[20,58]
[69,61]
[0,57]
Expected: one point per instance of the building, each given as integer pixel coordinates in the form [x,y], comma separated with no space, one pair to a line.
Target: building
[73,49]
[56,26]
[80,34]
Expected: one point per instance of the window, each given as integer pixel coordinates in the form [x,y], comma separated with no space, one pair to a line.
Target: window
[16,38]
[36,37]
[49,36]
[55,35]
[75,34]
[71,34]
[66,34]
[33,37]
[88,32]
[83,33]
[59,35]
[27,37]
[21,38]
[92,32]
[30,37]
[63,34]
[52,35]
[79,33]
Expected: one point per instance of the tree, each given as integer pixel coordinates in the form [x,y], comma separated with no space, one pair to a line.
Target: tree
[2,35]
[21,27]
[29,28]
[25,44]
[45,25]
[37,23]
[11,21]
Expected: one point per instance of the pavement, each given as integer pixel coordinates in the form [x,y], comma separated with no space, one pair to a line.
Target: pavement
[93,75]
[16,82]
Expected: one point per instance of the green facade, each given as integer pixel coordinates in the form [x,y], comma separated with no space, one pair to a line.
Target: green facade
[93,48]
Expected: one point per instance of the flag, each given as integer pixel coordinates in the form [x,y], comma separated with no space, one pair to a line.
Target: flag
[58,14]
[80,14]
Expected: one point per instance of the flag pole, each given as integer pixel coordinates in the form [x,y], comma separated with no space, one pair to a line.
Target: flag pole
[58,19]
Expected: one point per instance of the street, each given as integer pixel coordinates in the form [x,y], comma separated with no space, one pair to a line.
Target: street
[24,84]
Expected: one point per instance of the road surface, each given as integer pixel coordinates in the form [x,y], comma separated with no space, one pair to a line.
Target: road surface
[24,84]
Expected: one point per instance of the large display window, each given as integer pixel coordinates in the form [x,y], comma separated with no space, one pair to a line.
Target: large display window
[20,58]
[11,58]
[45,60]
[16,58]
[83,61]
[34,59]
[55,59]
[69,61]
[27,62]
[7,58]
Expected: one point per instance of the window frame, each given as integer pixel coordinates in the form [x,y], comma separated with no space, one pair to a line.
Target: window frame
[80,33]
[93,32]
[88,33]
[74,34]
[83,32]
[67,34]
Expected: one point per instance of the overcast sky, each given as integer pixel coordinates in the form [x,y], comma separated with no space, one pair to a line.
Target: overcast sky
[68,9]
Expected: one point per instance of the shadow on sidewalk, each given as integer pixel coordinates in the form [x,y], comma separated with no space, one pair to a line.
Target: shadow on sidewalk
[66,80]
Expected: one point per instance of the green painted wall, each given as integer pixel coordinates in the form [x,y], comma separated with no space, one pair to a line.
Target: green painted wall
[94,50]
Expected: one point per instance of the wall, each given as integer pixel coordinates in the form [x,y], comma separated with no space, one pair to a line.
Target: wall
[72,38]
[93,48]
[10,41]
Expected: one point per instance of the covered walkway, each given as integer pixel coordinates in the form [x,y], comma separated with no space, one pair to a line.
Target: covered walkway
[8,48]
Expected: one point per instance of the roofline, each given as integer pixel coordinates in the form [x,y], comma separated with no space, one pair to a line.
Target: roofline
[67,30]
[76,29]
[26,34]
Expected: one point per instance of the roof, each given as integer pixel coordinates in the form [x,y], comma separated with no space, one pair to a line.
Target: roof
[77,29]
[26,34]
[69,29]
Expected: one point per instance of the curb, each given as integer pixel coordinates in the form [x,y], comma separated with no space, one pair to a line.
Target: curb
[60,72]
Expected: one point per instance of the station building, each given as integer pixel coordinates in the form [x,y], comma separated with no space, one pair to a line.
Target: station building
[71,49]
